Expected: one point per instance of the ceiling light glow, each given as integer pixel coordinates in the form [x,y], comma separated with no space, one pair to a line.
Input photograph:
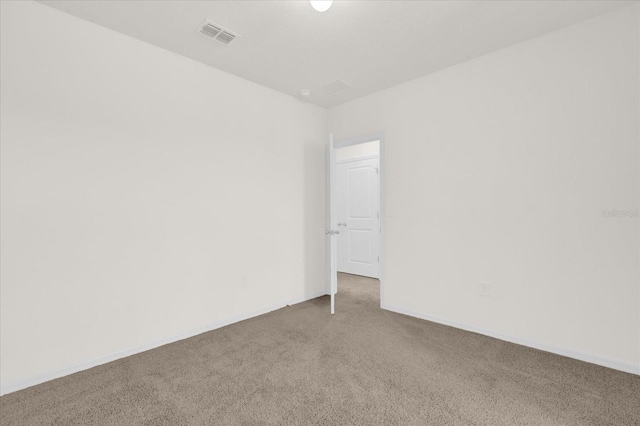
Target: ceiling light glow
[321,5]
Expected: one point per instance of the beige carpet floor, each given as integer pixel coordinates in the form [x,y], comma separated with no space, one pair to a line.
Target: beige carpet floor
[363,366]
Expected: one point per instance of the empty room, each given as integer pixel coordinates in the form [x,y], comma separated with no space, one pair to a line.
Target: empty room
[320,212]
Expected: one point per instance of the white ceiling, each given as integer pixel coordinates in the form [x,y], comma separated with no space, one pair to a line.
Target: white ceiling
[288,46]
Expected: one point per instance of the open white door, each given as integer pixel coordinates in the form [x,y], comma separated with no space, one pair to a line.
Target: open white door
[331,232]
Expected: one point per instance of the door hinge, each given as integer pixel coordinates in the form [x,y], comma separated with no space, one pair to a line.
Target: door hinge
[377,171]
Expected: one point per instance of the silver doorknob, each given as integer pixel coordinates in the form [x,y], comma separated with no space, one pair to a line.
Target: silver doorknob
[337,232]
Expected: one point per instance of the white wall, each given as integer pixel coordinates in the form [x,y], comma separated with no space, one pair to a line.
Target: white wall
[360,150]
[497,170]
[144,195]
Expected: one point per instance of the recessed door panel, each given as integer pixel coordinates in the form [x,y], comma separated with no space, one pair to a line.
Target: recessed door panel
[359,181]
[360,247]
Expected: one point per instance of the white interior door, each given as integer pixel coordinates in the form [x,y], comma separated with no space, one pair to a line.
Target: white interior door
[358,217]
[331,231]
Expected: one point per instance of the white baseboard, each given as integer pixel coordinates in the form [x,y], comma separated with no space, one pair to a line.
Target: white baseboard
[627,367]
[305,298]
[85,365]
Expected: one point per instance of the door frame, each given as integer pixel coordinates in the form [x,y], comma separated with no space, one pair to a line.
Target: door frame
[351,160]
[372,137]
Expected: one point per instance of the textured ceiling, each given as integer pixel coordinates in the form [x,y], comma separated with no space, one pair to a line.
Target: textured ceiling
[287,46]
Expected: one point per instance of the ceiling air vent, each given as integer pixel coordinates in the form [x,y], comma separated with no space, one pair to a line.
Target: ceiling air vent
[225,37]
[336,86]
[210,29]
[217,32]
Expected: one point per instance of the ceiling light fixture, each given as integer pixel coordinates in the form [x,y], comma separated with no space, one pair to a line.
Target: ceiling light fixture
[321,5]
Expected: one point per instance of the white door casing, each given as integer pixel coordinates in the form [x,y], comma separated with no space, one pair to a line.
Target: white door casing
[358,216]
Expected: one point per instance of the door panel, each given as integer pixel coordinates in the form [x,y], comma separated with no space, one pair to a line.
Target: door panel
[360,247]
[358,217]
[359,181]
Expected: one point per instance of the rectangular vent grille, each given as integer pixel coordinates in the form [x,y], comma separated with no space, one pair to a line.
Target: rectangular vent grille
[217,32]
[336,86]
[225,37]
[210,30]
